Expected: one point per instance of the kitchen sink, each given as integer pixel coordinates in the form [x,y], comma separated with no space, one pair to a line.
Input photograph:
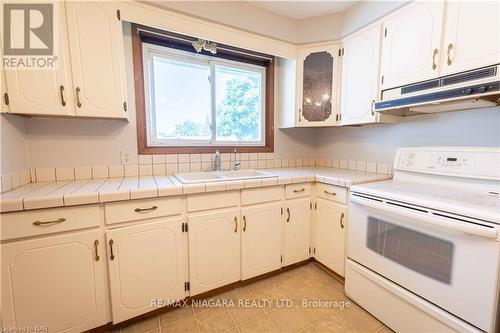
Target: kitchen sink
[214,176]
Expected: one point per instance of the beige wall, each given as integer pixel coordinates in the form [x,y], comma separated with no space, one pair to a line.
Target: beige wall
[13,144]
[480,127]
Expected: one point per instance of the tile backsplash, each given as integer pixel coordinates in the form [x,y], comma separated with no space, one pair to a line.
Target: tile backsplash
[150,165]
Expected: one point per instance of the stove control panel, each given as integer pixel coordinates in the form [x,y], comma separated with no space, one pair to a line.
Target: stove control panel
[471,162]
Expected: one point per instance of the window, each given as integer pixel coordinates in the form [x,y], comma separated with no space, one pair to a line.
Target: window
[197,102]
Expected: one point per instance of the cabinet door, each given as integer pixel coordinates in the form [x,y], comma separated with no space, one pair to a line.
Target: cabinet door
[411,44]
[331,221]
[146,263]
[472,35]
[318,79]
[360,77]
[260,239]
[296,230]
[4,107]
[48,91]
[58,282]
[97,58]
[214,250]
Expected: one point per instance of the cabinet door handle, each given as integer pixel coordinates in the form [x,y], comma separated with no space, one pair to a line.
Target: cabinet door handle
[112,256]
[59,220]
[288,213]
[299,191]
[434,54]
[331,193]
[78,103]
[96,244]
[244,223]
[341,218]
[61,91]
[235,224]
[300,117]
[145,210]
[450,47]
[371,108]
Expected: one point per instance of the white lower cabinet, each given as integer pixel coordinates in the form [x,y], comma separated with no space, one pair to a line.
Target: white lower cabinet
[146,262]
[214,249]
[330,231]
[296,231]
[56,281]
[260,239]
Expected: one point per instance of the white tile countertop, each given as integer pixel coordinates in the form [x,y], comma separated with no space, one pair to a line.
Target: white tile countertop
[81,192]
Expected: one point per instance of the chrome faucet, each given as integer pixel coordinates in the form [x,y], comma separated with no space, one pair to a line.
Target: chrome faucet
[236,164]
[217,161]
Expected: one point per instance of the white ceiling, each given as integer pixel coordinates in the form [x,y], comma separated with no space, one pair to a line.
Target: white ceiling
[304,9]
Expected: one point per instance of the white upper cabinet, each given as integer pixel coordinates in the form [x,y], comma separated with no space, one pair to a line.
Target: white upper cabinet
[260,239]
[360,77]
[411,44]
[472,36]
[296,231]
[57,281]
[4,103]
[214,250]
[146,262]
[46,91]
[318,79]
[97,57]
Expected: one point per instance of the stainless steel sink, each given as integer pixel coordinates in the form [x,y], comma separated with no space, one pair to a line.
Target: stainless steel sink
[214,176]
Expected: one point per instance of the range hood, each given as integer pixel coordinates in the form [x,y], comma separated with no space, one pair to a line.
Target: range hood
[473,89]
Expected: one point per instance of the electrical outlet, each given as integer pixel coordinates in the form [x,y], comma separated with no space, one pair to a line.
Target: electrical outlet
[125,157]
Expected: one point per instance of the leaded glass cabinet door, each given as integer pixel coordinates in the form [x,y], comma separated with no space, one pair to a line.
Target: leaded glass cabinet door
[317,85]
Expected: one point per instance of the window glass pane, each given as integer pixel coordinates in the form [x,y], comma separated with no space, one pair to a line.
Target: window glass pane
[181,101]
[238,104]
[428,255]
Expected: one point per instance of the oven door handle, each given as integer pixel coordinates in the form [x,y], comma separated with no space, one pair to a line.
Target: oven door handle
[427,217]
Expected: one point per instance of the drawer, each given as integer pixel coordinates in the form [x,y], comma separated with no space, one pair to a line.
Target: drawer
[126,211]
[332,192]
[197,202]
[48,221]
[260,195]
[298,190]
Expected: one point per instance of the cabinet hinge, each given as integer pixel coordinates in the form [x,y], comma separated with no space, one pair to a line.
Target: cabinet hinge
[336,117]
[382,79]
[182,226]
[6,98]
[310,205]
[125,106]
[340,117]
[343,51]
[385,32]
[309,250]
[281,258]
[315,205]
[118,15]
[314,250]
[281,210]
[186,227]
[340,52]
[187,286]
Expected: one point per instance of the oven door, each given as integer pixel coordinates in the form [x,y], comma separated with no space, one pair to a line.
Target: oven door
[445,259]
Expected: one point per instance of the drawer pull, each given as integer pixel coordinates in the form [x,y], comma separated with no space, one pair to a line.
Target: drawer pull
[288,213]
[331,193]
[60,220]
[112,256]
[145,210]
[341,218]
[61,91]
[78,103]
[299,191]
[235,224]
[244,223]
[96,244]
[434,54]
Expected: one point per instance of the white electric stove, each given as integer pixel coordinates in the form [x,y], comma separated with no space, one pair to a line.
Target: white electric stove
[424,247]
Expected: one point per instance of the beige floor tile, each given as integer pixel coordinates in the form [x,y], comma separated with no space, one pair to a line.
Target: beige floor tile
[260,324]
[385,329]
[361,320]
[186,325]
[316,308]
[241,314]
[309,329]
[156,330]
[294,288]
[214,320]
[142,326]
[334,324]
[288,319]
[232,330]
[272,297]
[176,314]
[261,284]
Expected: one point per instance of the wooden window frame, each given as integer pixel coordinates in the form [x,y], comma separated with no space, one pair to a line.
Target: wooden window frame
[141,34]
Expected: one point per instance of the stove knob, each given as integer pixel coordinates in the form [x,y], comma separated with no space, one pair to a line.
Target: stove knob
[481,89]
[468,91]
